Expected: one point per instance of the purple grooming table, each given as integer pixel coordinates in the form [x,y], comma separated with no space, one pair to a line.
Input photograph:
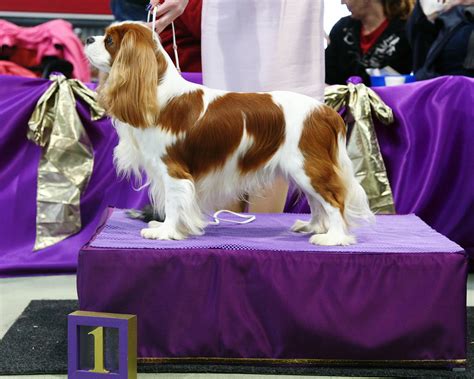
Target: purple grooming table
[259,291]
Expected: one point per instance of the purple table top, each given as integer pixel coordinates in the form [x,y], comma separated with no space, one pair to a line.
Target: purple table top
[390,234]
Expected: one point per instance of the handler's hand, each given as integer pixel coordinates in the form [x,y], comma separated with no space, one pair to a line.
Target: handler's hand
[167,11]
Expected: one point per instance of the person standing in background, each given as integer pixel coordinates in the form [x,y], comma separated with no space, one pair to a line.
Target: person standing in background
[186,15]
[374,36]
[187,20]
[124,10]
[441,34]
[168,11]
[264,45]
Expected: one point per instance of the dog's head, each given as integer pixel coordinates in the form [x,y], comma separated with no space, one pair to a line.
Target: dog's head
[135,63]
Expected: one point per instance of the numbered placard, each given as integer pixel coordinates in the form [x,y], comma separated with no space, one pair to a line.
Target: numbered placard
[102,345]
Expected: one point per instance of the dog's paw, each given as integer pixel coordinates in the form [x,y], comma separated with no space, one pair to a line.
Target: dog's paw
[301,227]
[320,228]
[161,233]
[305,227]
[332,239]
[154,224]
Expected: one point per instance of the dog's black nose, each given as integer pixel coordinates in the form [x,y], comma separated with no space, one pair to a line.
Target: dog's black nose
[90,40]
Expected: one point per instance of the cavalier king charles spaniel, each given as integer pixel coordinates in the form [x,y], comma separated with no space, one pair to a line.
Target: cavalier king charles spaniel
[201,148]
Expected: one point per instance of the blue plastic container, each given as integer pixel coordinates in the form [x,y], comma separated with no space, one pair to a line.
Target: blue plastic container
[379,81]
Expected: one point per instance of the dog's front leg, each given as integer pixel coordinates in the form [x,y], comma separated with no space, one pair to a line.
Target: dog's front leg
[183,216]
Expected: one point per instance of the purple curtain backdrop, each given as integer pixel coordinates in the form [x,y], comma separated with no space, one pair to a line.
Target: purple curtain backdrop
[18,180]
[428,154]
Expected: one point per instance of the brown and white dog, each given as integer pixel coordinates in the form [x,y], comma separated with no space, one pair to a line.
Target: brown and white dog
[202,148]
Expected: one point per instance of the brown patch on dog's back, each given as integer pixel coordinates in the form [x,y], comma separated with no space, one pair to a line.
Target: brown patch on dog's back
[319,145]
[217,134]
[265,123]
[182,112]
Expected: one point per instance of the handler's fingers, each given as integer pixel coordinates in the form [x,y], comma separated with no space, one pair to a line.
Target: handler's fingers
[164,21]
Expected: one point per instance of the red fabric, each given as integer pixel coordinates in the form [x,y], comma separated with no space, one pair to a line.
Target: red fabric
[53,38]
[188,38]
[10,68]
[48,6]
[368,40]
[22,56]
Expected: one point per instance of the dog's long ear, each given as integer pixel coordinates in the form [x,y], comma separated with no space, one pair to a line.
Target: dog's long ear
[131,90]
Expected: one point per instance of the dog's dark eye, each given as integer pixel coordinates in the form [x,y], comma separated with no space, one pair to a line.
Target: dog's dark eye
[109,41]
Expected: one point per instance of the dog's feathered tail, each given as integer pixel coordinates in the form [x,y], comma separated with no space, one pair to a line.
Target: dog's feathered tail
[356,204]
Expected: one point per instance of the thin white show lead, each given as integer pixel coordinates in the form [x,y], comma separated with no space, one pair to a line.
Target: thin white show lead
[155,35]
[217,220]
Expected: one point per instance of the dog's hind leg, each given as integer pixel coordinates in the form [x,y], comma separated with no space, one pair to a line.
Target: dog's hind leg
[327,220]
[318,174]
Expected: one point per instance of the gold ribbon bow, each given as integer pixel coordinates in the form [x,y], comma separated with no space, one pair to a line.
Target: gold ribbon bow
[67,158]
[361,103]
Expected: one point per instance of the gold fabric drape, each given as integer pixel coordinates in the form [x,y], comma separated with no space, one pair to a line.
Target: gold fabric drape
[67,158]
[361,105]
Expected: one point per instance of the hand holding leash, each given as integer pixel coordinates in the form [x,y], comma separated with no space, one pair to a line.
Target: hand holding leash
[153,11]
[167,12]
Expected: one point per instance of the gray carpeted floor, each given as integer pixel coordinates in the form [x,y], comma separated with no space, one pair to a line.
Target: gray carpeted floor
[37,344]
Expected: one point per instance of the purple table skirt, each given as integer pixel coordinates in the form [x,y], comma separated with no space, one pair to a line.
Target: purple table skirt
[260,291]
[428,154]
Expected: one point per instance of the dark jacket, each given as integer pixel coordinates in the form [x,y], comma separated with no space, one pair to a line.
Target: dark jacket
[445,47]
[344,57]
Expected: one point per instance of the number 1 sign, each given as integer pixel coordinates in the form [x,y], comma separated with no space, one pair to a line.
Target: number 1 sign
[102,345]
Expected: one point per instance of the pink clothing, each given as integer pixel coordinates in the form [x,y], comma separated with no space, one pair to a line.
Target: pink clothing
[44,40]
